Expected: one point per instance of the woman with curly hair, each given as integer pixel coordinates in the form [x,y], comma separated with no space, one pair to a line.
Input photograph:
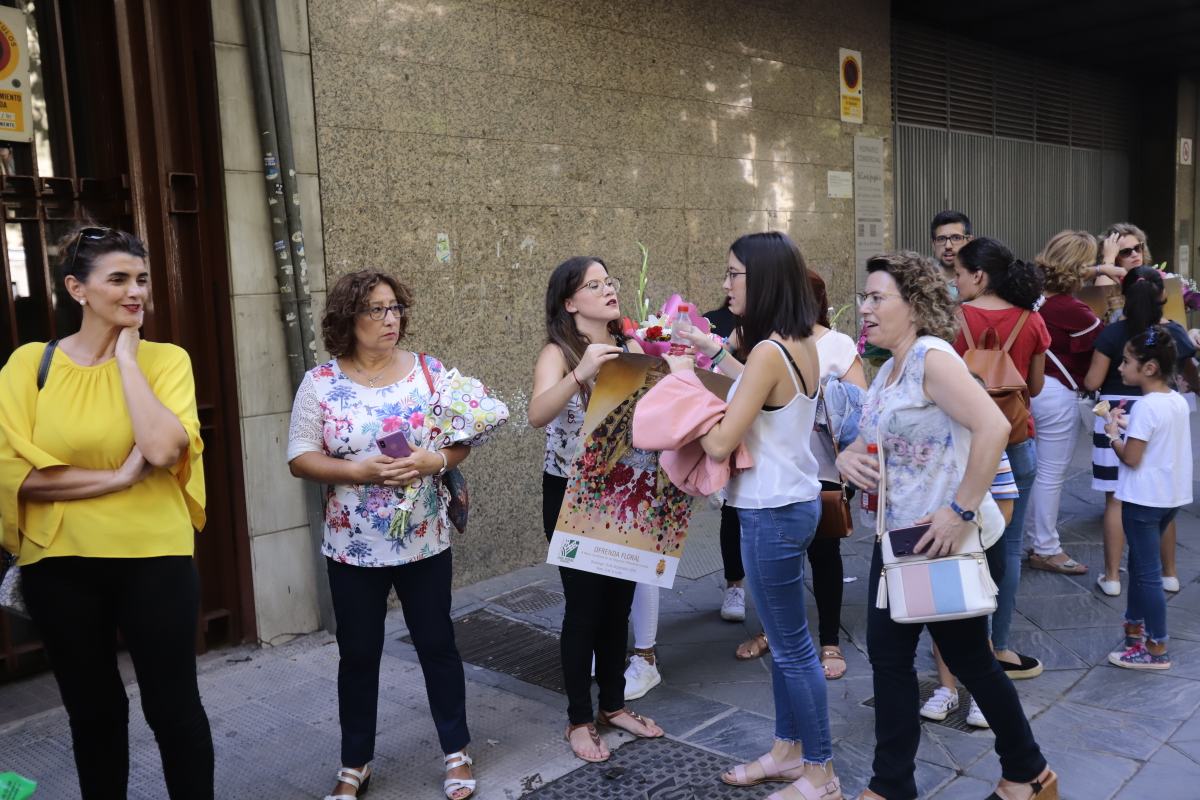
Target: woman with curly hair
[1073,327]
[998,293]
[941,439]
[367,389]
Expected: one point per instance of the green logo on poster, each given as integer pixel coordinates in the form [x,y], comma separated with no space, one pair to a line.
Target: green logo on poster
[570,549]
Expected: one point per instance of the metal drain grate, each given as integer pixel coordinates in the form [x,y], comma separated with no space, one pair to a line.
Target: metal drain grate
[529,599]
[958,717]
[503,645]
[659,769]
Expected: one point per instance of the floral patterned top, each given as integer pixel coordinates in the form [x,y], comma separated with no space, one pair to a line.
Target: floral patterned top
[562,438]
[925,451]
[342,419]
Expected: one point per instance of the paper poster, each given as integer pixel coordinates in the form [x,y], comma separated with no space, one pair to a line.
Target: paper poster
[850,78]
[15,125]
[839,185]
[621,516]
[868,199]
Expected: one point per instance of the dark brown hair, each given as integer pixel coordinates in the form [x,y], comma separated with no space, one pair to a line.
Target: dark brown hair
[348,298]
[820,297]
[565,281]
[779,297]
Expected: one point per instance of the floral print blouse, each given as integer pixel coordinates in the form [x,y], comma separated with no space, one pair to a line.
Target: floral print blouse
[335,416]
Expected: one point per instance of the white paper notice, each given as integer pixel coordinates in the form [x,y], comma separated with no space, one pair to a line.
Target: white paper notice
[839,185]
[868,199]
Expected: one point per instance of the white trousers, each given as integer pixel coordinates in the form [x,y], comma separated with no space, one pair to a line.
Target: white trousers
[1057,421]
[644,616]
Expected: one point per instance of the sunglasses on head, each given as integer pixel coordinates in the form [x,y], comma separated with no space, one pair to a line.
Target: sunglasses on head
[92,235]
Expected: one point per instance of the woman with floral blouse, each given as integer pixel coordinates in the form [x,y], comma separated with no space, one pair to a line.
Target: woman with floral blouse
[371,388]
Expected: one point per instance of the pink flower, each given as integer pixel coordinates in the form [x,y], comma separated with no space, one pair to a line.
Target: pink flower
[391,424]
[416,419]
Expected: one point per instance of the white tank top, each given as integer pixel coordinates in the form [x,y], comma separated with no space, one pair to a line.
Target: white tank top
[785,470]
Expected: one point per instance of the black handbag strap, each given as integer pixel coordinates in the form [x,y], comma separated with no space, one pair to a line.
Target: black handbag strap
[44,367]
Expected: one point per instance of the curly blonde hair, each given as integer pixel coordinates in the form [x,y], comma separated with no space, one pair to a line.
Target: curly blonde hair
[1064,258]
[924,288]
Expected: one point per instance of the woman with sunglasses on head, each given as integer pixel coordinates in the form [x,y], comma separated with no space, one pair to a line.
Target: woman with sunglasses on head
[1144,295]
[583,333]
[772,411]
[101,491]
[371,388]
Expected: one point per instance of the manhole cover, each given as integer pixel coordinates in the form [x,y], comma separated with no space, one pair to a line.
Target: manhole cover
[958,717]
[529,599]
[503,645]
[659,769]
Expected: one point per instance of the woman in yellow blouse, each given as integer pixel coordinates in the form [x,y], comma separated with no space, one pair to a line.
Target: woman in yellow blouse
[101,488]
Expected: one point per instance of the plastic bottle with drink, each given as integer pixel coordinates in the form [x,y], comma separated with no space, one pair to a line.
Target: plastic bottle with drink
[869,502]
[680,325]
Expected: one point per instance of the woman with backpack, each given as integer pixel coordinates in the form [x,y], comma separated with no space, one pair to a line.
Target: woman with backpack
[998,292]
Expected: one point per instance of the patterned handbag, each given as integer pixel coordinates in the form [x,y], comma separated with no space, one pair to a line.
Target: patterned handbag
[455,482]
[918,589]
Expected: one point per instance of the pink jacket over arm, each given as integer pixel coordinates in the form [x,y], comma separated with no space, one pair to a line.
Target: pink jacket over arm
[672,417]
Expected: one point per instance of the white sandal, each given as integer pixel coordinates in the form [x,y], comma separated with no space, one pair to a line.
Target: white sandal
[360,779]
[452,785]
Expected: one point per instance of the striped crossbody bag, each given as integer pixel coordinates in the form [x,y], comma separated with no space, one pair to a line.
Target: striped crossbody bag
[917,589]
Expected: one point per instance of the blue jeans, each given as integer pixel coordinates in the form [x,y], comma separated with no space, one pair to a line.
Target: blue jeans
[1147,603]
[774,548]
[1023,458]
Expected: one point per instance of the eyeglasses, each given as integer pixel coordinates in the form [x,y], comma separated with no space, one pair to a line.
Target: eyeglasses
[600,287]
[954,238]
[873,298]
[92,235]
[380,312]
[1126,252]
[730,274]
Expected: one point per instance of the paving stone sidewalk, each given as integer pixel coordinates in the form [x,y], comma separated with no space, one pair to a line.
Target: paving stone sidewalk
[1109,732]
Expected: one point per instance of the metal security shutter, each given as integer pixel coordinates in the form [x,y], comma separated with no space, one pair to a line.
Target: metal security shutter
[1025,147]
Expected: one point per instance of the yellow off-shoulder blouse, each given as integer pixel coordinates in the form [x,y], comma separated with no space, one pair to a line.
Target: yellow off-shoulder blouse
[80,419]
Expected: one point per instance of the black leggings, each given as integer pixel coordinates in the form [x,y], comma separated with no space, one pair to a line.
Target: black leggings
[596,622]
[825,556]
[79,605]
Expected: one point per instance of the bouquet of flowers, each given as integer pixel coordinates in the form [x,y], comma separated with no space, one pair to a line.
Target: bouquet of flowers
[461,411]
[653,332]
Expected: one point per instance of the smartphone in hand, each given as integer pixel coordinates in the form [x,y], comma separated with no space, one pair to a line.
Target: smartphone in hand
[394,445]
[904,540]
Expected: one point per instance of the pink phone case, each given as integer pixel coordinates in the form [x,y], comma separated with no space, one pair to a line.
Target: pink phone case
[395,445]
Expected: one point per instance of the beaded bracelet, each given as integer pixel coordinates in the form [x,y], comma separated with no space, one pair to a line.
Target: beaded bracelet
[720,355]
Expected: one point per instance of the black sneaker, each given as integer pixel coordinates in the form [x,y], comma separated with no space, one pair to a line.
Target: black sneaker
[1028,668]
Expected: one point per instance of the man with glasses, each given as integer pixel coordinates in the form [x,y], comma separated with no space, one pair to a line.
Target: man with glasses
[949,231]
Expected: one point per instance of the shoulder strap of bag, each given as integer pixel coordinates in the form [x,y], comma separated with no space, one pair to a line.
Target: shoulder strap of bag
[425,369]
[881,491]
[1012,337]
[966,329]
[1050,355]
[824,403]
[44,367]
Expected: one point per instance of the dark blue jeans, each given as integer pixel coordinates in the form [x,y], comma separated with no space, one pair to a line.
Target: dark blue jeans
[774,548]
[1147,603]
[359,607]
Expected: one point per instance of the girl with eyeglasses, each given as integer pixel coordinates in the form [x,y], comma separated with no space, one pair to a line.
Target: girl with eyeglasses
[101,492]
[582,334]
[1154,481]
[1143,295]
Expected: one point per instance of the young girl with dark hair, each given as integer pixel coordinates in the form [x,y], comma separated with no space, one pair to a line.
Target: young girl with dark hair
[1154,481]
[1144,297]
[997,290]
[582,333]
[778,499]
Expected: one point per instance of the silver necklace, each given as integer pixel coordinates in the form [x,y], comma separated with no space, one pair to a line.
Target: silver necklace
[370,379]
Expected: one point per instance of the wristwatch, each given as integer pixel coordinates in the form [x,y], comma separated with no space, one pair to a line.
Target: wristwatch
[968,516]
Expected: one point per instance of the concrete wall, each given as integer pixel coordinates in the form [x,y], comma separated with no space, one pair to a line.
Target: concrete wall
[281,547]
[526,131]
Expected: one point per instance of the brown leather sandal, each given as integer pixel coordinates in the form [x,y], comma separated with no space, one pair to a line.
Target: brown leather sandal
[606,718]
[596,740]
[753,648]
[832,654]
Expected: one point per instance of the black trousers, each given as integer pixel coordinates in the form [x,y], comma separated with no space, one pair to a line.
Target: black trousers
[963,643]
[596,622]
[359,606]
[79,605]
[825,556]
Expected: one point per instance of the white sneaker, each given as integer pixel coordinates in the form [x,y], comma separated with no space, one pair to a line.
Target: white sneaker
[1110,588]
[975,717]
[940,704]
[1170,584]
[640,677]
[733,608]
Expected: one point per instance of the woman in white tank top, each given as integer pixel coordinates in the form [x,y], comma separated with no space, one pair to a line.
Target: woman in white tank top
[772,406]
